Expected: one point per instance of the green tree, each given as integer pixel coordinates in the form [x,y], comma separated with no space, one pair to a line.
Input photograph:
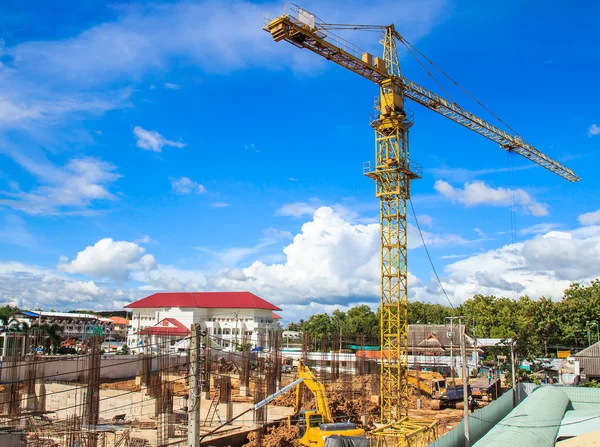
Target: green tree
[318,325]
[427,313]
[580,304]
[361,319]
[295,326]
[7,312]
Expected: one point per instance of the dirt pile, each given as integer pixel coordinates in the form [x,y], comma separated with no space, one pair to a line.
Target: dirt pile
[278,436]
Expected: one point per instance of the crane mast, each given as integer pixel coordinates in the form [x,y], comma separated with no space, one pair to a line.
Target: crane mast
[392,172]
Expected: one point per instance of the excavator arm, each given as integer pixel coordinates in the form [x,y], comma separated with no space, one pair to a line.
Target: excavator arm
[316,388]
[304,30]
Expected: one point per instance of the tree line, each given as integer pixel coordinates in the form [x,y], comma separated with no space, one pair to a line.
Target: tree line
[539,326]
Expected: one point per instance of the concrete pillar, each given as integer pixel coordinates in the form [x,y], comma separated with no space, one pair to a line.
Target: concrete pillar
[41,397]
[243,390]
[225,403]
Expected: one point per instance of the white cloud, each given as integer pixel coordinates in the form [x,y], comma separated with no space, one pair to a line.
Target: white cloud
[593,130]
[145,240]
[220,205]
[478,193]
[542,266]
[170,86]
[425,220]
[183,185]
[432,239]
[348,209]
[30,287]
[330,258]
[589,218]
[71,189]
[330,262]
[232,256]
[151,140]
[540,228]
[149,37]
[299,209]
[110,259]
[166,277]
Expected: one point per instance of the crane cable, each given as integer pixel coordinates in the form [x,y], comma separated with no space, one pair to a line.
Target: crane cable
[428,255]
[407,44]
[513,222]
[427,71]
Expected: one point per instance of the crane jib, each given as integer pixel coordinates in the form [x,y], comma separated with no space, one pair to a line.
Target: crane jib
[291,30]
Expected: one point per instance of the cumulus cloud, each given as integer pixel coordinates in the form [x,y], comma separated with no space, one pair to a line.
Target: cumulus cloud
[71,189]
[589,218]
[593,130]
[110,259]
[170,86]
[330,258]
[151,140]
[544,265]
[478,193]
[183,185]
[30,286]
[331,261]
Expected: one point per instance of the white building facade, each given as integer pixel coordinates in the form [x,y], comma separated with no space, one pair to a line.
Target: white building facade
[230,318]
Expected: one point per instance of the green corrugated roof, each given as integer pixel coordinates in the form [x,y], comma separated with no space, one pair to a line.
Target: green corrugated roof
[533,423]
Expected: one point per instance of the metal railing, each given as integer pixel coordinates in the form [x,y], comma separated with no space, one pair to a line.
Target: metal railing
[414,167]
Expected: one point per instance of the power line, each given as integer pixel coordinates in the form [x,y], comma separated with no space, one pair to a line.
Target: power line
[428,255]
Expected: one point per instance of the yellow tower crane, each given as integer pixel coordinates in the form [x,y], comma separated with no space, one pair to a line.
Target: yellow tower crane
[392,171]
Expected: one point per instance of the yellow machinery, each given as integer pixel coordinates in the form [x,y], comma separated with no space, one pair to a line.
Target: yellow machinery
[392,171]
[431,383]
[315,426]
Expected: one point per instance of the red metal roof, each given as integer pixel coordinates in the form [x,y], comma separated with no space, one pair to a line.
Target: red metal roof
[166,326]
[275,316]
[211,300]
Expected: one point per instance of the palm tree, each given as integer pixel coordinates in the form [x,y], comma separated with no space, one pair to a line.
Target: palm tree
[53,337]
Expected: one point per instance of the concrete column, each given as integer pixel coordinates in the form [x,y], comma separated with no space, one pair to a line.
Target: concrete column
[225,403]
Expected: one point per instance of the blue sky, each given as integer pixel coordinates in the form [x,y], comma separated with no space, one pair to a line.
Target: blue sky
[175,146]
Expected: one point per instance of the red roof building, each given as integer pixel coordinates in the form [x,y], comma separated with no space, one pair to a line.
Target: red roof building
[229,318]
[167,326]
[207,300]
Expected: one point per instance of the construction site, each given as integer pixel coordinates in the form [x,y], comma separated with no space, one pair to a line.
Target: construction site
[87,406]
[236,379]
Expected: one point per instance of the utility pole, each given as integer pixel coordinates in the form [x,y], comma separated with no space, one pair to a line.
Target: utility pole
[197,359]
[587,325]
[512,365]
[465,381]
[451,336]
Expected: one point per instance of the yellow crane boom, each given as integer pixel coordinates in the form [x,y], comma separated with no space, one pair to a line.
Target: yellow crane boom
[304,30]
